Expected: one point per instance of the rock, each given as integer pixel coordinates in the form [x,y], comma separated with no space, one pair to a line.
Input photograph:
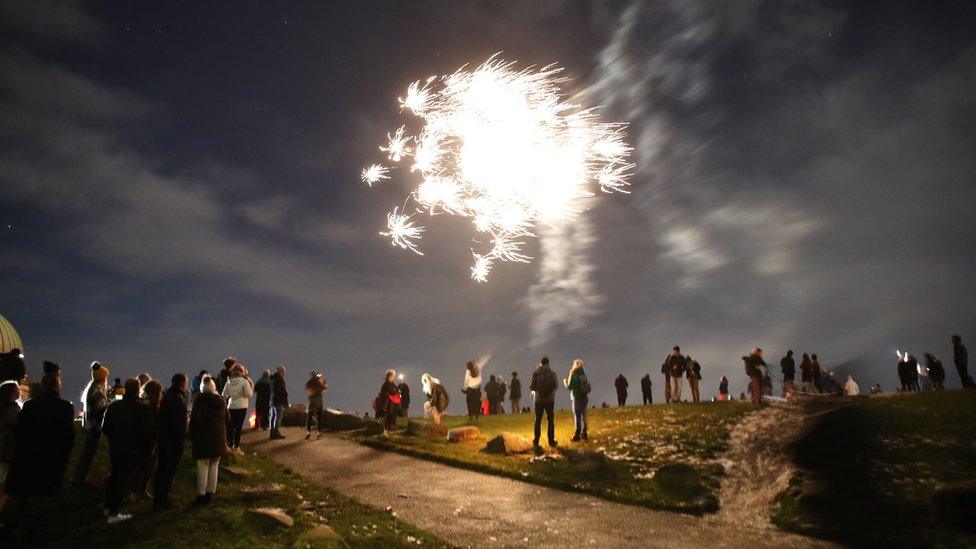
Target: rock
[262,488]
[236,471]
[373,427]
[956,504]
[434,430]
[416,428]
[340,421]
[320,536]
[509,443]
[464,434]
[586,459]
[274,513]
[294,415]
[678,479]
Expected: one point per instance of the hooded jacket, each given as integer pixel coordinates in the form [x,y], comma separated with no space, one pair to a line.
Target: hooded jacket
[208,426]
[238,392]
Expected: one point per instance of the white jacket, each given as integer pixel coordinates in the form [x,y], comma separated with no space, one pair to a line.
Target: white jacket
[237,391]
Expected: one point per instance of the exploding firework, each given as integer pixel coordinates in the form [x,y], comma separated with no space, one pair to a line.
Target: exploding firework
[504,148]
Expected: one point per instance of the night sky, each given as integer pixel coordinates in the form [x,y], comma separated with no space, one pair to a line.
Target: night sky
[180,182]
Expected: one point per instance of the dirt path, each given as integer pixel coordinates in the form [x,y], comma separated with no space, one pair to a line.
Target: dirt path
[470,509]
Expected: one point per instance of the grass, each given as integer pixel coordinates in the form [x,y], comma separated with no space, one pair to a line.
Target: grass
[638,440]
[869,470]
[75,518]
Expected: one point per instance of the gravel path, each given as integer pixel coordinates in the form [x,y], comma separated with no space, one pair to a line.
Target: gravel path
[468,508]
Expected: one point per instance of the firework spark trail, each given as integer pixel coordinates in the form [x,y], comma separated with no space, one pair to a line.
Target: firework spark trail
[505,149]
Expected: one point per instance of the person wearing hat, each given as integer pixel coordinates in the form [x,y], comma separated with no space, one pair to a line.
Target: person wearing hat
[95,399]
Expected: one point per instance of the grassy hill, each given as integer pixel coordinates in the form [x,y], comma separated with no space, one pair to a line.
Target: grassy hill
[637,439]
[870,471]
[76,517]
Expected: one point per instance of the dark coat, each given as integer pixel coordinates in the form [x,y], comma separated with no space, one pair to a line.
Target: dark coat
[515,389]
[262,392]
[960,357]
[12,367]
[544,383]
[621,384]
[279,390]
[646,385]
[130,426]
[438,397]
[42,443]
[492,389]
[788,366]
[171,421]
[208,426]
[404,395]
[677,365]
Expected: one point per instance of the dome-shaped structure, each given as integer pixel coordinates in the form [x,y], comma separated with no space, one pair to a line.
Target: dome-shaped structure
[8,337]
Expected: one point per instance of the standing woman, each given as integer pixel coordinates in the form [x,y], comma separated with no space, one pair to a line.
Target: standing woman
[437,399]
[389,401]
[579,389]
[208,434]
[472,389]
[237,391]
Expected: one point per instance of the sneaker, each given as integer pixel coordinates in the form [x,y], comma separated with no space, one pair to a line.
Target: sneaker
[118,518]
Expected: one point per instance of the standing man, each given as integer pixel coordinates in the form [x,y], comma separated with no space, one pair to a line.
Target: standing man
[515,393]
[262,401]
[694,376]
[492,394]
[224,374]
[961,359]
[404,397]
[315,388]
[279,401]
[95,403]
[621,385]
[677,368]
[128,424]
[666,370]
[43,438]
[646,395]
[754,369]
[502,389]
[544,384]
[171,427]
[788,367]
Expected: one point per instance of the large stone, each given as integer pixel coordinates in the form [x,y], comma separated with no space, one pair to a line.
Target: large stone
[586,459]
[679,480]
[320,536]
[509,443]
[416,428]
[295,415]
[467,433]
[956,504]
[373,427]
[274,513]
[340,421]
[436,430]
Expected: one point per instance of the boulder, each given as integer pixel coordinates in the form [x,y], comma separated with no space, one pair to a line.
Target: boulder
[320,536]
[679,480]
[373,427]
[274,513]
[435,430]
[509,443]
[956,504]
[294,416]
[586,459]
[467,433]
[416,428]
[340,421]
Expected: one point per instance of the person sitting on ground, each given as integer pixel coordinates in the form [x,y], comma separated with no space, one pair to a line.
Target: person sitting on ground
[95,399]
[806,373]
[515,393]
[694,376]
[314,388]
[755,365]
[262,401]
[620,384]
[544,384]
[936,372]
[404,397]
[437,398]
[579,390]
[129,427]
[491,393]
[279,401]
[646,396]
[389,402]
[788,366]
[237,392]
[170,436]
[850,387]
[9,410]
[472,388]
[208,434]
[723,389]
[43,437]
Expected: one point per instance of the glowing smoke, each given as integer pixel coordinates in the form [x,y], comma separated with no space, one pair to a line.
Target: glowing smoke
[505,149]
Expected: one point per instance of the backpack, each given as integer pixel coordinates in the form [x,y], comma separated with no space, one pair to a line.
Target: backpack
[585,387]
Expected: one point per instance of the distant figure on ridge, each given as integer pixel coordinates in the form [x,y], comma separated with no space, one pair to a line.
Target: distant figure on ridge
[723,389]
[755,364]
[437,398]
[666,370]
[911,373]
[491,392]
[579,390]
[262,401]
[960,358]
[621,385]
[315,389]
[817,373]
[647,397]
[806,373]
[389,402]
[279,401]
[404,397]
[788,366]
[850,387]
[515,393]
[544,384]
[472,389]
[694,376]
[936,372]
[677,368]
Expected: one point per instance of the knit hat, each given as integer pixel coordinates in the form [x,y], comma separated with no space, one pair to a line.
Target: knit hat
[51,368]
[98,371]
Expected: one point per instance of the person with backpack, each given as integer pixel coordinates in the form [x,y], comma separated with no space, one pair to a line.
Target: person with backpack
[437,399]
[579,390]
[544,384]
[694,376]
